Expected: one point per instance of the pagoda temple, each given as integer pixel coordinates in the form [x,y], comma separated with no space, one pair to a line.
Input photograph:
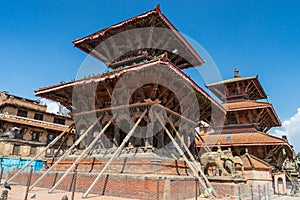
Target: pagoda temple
[247,122]
[136,123]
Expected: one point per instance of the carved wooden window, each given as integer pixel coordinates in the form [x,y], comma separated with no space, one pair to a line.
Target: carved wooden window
[50,137]
[22,113]
[38,116]
[33,151]
[16,150]
[49,152]
[59,121]
[20,133]
[35,136]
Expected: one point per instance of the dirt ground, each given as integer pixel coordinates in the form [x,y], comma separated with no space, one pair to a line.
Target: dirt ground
[17,192]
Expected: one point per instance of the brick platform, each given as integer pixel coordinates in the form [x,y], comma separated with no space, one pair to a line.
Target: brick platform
[132,165]
[139,177]
[122,185]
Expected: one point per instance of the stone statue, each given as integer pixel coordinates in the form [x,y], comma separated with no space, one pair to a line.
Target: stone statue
[238,161]
[224,162]
[210,159]
[232,161]
[228,161]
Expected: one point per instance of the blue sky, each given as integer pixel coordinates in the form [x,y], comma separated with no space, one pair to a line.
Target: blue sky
[260,37]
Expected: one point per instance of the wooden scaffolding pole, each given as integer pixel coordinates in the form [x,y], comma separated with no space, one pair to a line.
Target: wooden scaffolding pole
[196,164]
[84,153]
[113,108]
[133,106]
[191,166]
[68,129]
[67,152]
[59,147]
[116,153]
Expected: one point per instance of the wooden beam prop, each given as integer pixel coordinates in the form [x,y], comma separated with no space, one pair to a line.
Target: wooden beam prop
[60,146]
[68,129]
[115,154]
[203,142]
[137,105]
[84,153]
[196,164]
[191,166]
[113,108]
[67,152]
[177,115]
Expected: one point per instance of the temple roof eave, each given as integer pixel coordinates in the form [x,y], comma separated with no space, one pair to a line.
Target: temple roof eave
[231,80]
[215,87]
[47,91]
[89,43]
[251,105]
[242,139]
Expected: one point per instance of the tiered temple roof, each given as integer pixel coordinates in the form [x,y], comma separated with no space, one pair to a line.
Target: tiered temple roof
[238,88]
[64,92]
[141,42]
[147,56]
[240,96]
[140,38]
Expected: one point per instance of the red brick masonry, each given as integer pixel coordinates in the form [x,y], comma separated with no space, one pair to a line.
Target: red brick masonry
[121,185]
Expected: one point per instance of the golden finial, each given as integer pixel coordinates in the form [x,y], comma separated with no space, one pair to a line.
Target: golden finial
[236,72]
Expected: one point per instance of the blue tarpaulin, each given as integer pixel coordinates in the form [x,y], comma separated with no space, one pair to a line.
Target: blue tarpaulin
[17,163]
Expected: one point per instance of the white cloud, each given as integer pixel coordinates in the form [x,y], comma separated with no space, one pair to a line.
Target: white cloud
[291,128]
[52,106]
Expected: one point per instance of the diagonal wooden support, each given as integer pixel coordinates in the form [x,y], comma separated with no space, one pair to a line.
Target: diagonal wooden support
[68,129]
[194,162]
[191,166]
[115,154]
[207,149]
[84,153]
[67,152]
[60,146]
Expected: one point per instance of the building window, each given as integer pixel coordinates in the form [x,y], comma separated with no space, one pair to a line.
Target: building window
[59,121]
[62,139]
[16,150]
[22,113]
[33,151]
[35,136]
[38,116]
[20,133]
[49,152]
[50,137]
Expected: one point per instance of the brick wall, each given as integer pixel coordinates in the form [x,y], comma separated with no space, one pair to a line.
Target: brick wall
[128,165]
[147,187]
[121,185]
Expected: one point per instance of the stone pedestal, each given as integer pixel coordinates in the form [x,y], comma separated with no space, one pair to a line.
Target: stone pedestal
[235,188]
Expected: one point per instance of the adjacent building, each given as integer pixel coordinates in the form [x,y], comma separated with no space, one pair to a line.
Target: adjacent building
[26,127]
